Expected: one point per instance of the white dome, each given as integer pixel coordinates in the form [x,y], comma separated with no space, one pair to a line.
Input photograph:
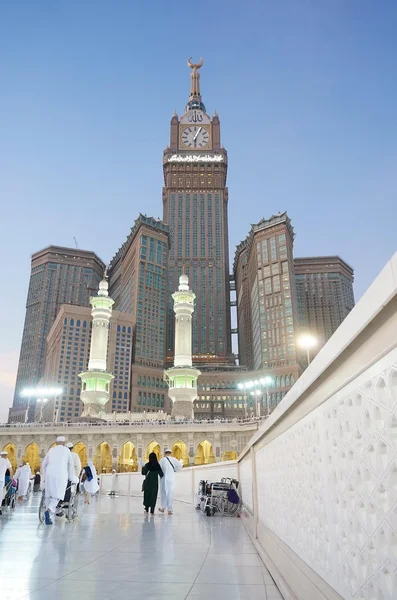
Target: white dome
[103,288]
[183,282]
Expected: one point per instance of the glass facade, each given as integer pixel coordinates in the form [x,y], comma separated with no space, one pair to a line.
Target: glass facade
[325,296]
[58,276]
[198,237]
[138,284]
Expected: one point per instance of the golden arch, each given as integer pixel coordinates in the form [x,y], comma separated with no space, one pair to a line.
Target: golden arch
[12,454]
[205,454]
[152,447]
[32,456]
[127,461]
[103,458]
[81,450]
[179,451]
[231,455]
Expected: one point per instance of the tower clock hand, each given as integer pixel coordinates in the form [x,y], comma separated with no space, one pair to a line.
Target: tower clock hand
[197,132]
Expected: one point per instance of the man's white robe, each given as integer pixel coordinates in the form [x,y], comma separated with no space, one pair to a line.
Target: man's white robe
[169,465]
[23,474]
[57,470]
[76,463]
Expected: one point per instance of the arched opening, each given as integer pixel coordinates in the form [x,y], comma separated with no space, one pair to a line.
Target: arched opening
[127,461]
[152,447]
[179,451]
[12,454]
[205,454]
[32,456]
[81,450]
[103,458]
[231,455]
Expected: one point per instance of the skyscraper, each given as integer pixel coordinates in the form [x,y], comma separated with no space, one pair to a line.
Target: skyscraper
[58,276]
[138,285]
[324,287]
[266,300]
[195,199]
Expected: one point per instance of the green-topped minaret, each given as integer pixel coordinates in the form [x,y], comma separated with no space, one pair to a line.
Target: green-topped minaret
[96,380]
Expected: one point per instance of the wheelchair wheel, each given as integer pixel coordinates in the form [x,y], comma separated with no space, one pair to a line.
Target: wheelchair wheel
[227,508]
[72,509]
[42,508]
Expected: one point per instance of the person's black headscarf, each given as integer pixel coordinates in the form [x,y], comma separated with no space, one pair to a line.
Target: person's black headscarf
[153,459]
[153,464]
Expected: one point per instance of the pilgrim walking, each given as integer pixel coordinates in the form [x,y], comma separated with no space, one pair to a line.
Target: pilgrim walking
[36,482]
[169,465]
[23,475]
[150,487]
[57,470]
[90,481]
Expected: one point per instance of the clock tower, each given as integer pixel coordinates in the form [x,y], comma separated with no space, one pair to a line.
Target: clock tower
[195,199]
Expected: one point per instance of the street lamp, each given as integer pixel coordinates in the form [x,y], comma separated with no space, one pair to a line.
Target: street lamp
[307,342]
[42,402]
[243,386]
[42,394]
[266,382]
[256,390]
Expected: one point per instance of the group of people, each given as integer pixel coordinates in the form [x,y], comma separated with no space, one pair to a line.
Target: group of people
[164,470]
[62,468]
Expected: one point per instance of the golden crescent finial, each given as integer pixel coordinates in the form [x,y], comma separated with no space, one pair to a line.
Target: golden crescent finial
[195,66]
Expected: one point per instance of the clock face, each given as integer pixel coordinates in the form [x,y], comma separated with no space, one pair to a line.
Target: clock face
[195,136]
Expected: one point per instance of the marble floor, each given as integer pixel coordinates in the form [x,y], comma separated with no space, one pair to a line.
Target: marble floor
[114,552]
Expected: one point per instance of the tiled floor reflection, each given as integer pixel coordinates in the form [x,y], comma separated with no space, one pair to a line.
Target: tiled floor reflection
[114,552]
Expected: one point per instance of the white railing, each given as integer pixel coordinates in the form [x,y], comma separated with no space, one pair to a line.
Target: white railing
[186,481]
[135,425]
[319,479]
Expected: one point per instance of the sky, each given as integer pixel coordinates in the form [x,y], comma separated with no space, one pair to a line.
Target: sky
[306,92]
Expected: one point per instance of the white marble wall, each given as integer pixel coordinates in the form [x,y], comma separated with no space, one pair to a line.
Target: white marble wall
[327,486]
[186,481]
[246,482]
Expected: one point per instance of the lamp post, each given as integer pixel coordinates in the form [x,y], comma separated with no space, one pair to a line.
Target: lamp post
[27,410]
[266,382]
[42,395]
[307,342]
[42,402]
[242,387]
[256,391]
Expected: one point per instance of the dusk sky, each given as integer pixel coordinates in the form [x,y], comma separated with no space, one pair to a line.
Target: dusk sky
[307,97]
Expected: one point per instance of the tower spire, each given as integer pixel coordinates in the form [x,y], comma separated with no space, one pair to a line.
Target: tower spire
[195,100]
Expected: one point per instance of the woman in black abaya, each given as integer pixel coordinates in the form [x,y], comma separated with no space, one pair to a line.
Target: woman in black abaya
[152,472]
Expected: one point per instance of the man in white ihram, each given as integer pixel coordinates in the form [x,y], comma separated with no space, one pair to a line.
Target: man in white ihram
[23,475]
[76,460]
[57,470]
[169,465]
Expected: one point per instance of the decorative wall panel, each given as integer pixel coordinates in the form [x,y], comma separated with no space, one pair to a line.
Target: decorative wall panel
[328,486]
[245,473]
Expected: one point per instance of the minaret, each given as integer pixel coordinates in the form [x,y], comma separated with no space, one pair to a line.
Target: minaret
[96,381]
[182,377]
